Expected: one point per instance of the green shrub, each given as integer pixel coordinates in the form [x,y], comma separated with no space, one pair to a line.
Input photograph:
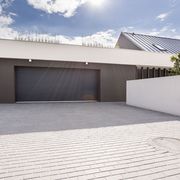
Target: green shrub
[176,68]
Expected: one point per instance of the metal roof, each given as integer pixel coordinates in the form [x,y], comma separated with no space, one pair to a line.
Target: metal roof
[154,43]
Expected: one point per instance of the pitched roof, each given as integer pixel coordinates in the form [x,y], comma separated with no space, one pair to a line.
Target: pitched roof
[154,43]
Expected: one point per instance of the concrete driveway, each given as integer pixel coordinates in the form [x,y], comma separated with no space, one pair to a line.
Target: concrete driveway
[81,141]
[24,118]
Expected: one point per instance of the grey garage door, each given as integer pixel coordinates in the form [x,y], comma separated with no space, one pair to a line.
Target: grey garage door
[56,84]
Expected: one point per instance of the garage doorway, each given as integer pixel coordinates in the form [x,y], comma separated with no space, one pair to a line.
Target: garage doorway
[56,84]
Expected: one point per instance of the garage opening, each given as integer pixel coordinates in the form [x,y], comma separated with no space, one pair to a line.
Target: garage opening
[56,84]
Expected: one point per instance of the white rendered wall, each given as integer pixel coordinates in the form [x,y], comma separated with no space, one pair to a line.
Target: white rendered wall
[159,94]
[58,52]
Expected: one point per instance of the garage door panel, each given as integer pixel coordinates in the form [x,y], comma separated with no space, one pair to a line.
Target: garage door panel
[56,84]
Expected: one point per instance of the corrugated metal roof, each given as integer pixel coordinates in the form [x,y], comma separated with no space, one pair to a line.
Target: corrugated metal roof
[154,43]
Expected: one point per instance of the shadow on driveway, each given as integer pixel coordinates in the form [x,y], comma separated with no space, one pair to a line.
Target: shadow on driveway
[26,118]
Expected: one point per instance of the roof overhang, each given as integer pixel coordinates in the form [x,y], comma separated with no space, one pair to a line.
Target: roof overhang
[72,53]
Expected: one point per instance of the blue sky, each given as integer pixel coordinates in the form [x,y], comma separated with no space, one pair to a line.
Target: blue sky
[96,21]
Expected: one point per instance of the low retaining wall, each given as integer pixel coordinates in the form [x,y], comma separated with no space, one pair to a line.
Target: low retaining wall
[159,94]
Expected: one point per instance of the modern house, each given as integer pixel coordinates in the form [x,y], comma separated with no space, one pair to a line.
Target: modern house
[148,43]
[35,71]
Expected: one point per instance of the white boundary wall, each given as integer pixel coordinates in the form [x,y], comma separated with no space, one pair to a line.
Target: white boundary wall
[159,94]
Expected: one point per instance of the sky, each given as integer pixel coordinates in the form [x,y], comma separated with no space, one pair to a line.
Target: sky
[88,22]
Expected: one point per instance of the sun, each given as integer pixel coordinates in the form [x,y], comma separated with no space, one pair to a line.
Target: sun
[96,2]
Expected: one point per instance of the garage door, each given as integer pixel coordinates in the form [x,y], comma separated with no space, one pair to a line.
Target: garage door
[56,84]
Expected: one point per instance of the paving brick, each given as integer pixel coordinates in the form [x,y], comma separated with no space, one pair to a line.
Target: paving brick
[106,153]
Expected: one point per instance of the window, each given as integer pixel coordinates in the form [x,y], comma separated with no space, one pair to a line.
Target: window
[159,47]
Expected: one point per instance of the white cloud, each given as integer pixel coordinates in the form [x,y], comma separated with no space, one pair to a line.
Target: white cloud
[12,14]
[100,39]
[104,38]
[177,37]
[5,20]
[153,33]
[67,8]
[8,33]
[162,16]
[5,4]
[166,31]
[127,28]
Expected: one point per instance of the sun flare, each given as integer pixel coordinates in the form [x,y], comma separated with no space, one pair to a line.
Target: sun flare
[96,2]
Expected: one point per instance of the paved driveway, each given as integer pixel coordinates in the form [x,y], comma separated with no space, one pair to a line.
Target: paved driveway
[24,118]
[116,144]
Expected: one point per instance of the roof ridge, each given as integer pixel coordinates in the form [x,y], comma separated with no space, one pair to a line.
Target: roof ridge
[151,36]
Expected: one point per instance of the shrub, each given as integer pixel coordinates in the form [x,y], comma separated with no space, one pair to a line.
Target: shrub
[176,68]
